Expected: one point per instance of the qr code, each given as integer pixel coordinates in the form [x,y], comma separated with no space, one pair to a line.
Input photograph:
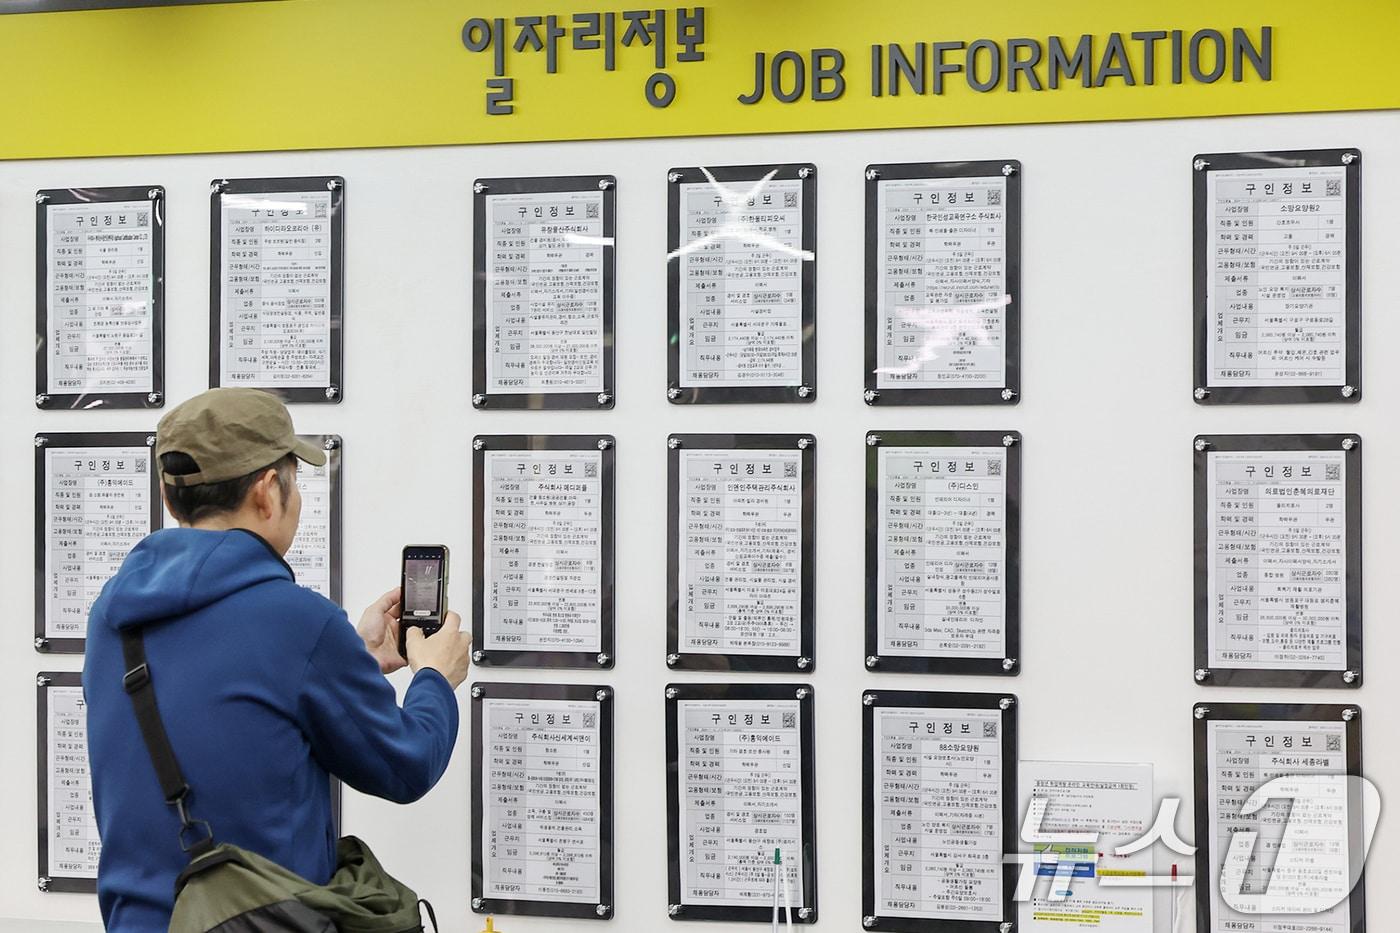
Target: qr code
[790,470]
[789,199]
[789,720]
[993,467]
[143,219]
[989,730]
[1334,743]
[1334,472]
[1334,187]
[592,212]
[994,197]
[140,466]
[590,720]
[590,470]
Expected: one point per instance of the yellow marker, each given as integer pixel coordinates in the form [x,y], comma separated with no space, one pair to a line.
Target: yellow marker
[490,926]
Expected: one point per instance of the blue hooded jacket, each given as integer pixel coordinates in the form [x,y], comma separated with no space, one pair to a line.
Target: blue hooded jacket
[266,690]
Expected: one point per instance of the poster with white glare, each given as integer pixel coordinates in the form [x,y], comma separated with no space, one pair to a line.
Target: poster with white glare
[542,800]
[100,296]
[943,283]
[939,810]
[95,497]
[544,292]
[277,285]
[542,548]
[1278,560]
[741,284]
[943,551]
[1279,819]
[741,516]
[315,552]
[69,846]
[740,800]
[1278,276]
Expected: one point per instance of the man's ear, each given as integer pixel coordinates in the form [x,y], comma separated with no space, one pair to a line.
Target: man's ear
[267,494]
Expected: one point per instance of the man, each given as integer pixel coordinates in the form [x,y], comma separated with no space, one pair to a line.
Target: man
[264,686]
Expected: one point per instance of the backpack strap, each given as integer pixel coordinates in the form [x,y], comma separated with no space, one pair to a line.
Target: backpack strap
[196,836]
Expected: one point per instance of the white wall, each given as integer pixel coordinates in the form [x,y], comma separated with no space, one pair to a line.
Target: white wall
[1107,417]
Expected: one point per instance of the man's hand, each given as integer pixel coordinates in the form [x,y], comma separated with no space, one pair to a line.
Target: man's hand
[447,651]
[379,627]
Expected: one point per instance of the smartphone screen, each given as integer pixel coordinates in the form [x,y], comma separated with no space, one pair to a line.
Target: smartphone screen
[422,584]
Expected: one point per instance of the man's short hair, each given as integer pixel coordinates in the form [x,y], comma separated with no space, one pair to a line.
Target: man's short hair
[190,504]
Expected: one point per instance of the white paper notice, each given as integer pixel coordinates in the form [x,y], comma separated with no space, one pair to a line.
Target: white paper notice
[942,298]
[1085,886]
[1277,559]
[1241,756]
[544,292]
[741,284]
[938,813]
[276,281]
[942,551]
[73,843]
[101,297]
[740,798]
[1276,277]
[542,800]
[543,550]
[310,554]
[741,558]
[97,507]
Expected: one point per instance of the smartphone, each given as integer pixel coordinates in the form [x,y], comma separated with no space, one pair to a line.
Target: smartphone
[423,600]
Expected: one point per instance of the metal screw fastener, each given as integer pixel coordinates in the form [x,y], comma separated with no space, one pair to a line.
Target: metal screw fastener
[604,659]
[333,184]
[1201,712]
[804,913]
[1349,714]
[153,398]
[1005,927]
[673,443]
[150,440]
[1008,170]
[155,193]
[604,443]
[871,174]
[805,172]
[1200,393]
[217,186]
[478,444]
[1202,675]
[478,187]
[803,663]
[1348,443]
[1008,664]
[330,443]
[477,693]
[1348,391]
[1348,158]
[868,922]
[478,903]
[1008,440]
[803,443]
[673,910]
[804,391]
[673,393]
[673,177]
[40,441]
[604,398]
[604,184]
[672,660]
[43,884]
[478,656]
[872,662]
[603,695]
[872,440]
[41,643]
[871,396]
[478,400]
[1006,702]
[1008,395]
[602,910]
[1349,677]
[869,699]
[1200,165]
[42,680]
[41,399]
[1201,444]
[803,693]
[41,198]
[332,391]
[672,693]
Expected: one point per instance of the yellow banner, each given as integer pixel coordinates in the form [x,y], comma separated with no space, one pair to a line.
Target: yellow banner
[324,74]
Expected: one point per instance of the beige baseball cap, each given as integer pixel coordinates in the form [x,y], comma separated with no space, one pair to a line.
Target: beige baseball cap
[230,433]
